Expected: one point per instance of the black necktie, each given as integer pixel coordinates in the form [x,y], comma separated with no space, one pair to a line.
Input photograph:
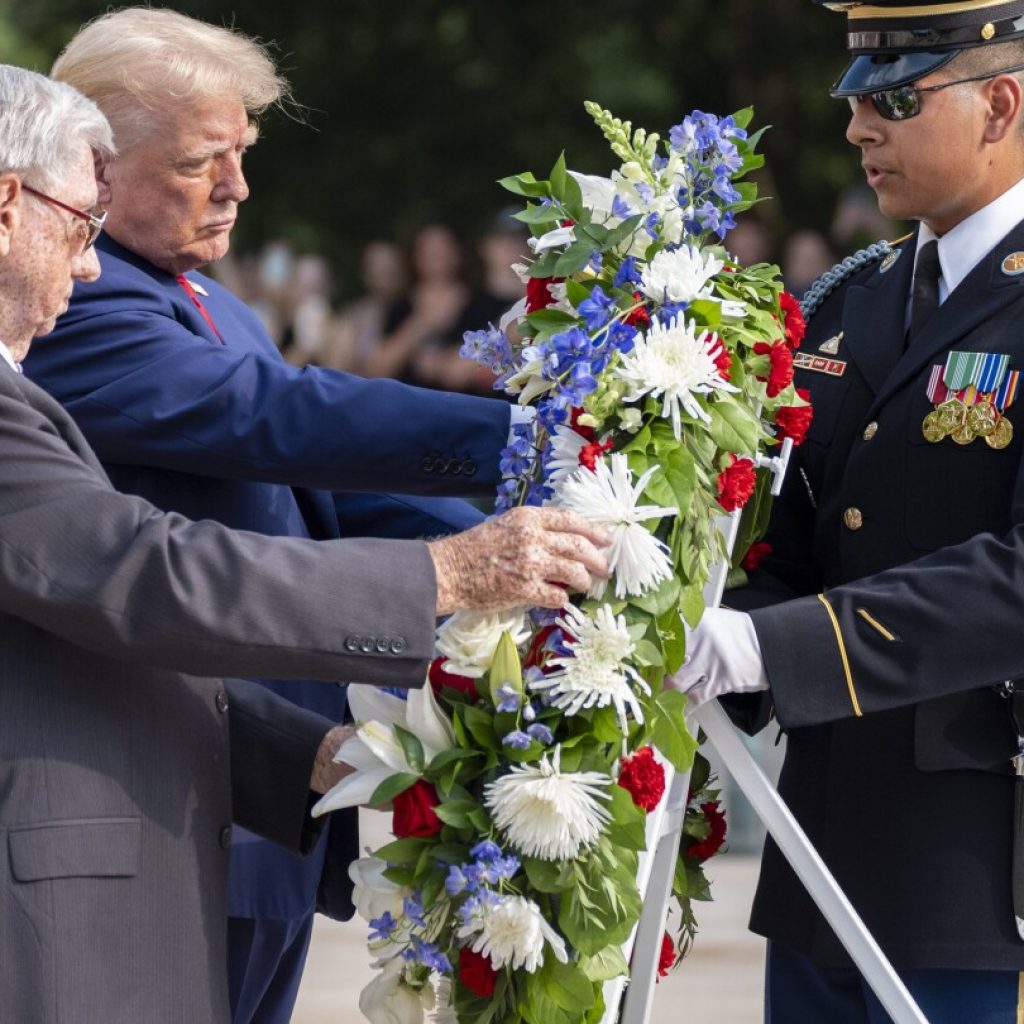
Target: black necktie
[926,289]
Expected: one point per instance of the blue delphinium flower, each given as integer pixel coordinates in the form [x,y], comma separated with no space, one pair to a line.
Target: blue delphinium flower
[456,882]
[517,740]
[485,850]
[540,732]
[382,927]
[622,336]
[627,274]
[645,192]
[596,309]
[490,348]
[412,908]
[620,208]
[509,698]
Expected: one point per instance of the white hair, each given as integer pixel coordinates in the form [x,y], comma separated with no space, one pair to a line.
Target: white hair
[43,125]
[135,62]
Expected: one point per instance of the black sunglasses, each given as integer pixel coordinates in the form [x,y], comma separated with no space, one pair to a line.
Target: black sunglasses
[904,101]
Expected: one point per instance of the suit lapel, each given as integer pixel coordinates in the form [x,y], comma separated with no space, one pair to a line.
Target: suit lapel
[977,298]
[883,300]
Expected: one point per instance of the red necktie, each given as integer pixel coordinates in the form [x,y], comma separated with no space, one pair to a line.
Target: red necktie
[191,292]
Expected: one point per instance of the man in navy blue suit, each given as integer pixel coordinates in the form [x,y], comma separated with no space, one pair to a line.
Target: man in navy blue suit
[185,398]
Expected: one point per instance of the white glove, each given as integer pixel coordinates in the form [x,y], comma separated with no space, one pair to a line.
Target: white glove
[722,656]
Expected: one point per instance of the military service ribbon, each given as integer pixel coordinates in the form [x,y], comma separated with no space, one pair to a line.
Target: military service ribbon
[970,394]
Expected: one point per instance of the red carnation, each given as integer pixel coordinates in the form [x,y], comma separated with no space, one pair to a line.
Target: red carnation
[414,812]
[795,420]
[590,453]
[723,360]
[537,294]
[574,422]
[476,973]
[639,317]
[643,778]
[713,842]
[736,484]
[440,678]
[755,555]
[793,319]
[667,960]
[780,374]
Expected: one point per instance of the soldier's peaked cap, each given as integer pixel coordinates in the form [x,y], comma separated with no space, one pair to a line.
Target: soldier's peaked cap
[895,42]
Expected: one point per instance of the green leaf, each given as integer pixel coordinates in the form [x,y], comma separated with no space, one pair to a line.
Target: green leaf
[480,727]
[605,726]
[545,318]
[411,747]
[565,985]
[536,215]
[547,876]
[575,258]
[691,603]
[673,640]
[455,812]
[603,916]
[451,756]
[669,730]
[526,184]
[622,231]
[659,601]
[628,825]
[558,175]
[403,851]
[391,787]
[681,475]
[604,965]
[733,428]
[648,654]
[506,668]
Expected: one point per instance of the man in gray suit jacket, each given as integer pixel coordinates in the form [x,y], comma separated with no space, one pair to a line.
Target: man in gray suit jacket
[117,782]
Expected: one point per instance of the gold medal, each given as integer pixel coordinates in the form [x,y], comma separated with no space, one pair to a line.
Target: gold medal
[951,414]
[932,429]
[982,419]
[1002,435]
[963,434]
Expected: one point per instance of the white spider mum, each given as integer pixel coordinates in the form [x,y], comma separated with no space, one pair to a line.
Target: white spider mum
[674,363]
[512,932]
[548,813]
[595,674]
[679,275]
[468,639]
[608,498]
[566,446]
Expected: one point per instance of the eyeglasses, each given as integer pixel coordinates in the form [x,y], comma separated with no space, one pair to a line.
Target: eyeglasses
[904,102]
[93,222]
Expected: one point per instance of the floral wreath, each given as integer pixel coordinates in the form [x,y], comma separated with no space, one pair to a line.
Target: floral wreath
[661,373]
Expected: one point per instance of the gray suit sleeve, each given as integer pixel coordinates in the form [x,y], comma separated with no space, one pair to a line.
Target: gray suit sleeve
[111,573]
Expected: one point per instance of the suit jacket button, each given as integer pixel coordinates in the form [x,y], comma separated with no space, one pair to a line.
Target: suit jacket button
[351,644]
[443,465]
[225,837]
[853,518]
[366,644]
[469,467]
[870,430]
[398,645]
[221,700]
[382,645]
[428,464]
[456,466]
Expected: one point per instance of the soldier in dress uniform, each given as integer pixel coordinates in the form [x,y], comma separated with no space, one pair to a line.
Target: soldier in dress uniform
[883,629]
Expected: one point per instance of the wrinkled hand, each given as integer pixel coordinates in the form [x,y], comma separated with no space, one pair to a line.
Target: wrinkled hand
[722,656]
[327,772]
[522,558]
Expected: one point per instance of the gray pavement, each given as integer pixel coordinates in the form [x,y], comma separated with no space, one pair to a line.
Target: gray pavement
[720,981]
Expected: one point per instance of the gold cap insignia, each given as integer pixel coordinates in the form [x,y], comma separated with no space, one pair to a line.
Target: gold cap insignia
[988,30]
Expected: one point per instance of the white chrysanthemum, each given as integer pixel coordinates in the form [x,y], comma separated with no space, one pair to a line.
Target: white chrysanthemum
[674,363]
[513,932]
[468,639]
[679,275]
[608,498]
[595,674]
[548,813]
[566,446]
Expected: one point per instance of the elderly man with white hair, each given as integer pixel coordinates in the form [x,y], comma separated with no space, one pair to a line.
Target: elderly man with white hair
[118,784]
[188,403]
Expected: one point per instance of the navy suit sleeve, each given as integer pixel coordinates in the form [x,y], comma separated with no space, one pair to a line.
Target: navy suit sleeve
[132,363]
[402,516]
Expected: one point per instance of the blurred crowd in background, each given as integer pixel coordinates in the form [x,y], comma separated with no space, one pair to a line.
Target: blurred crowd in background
[416,297]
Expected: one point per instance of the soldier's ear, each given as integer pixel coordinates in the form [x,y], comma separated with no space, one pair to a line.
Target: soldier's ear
[10,211]
[1004,108]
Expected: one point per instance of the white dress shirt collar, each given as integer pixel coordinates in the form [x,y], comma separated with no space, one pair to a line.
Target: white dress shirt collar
[962,248]
[5,354]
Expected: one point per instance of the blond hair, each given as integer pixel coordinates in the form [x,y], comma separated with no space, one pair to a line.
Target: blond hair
[132,63]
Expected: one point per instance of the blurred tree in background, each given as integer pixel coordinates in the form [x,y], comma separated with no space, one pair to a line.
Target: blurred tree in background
[414,109]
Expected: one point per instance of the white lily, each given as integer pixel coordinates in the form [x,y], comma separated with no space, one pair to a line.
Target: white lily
[375,752]
[372,893]
[553,239]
